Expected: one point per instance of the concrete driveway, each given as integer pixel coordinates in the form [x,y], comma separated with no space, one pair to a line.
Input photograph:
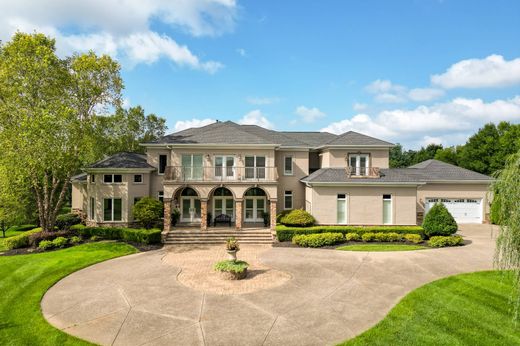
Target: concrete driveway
[331,296]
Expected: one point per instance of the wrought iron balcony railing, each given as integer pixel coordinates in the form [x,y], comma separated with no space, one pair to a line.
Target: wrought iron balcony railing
[219,173]
[363,172]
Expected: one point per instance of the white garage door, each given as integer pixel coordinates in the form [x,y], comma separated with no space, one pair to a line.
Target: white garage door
[464,210]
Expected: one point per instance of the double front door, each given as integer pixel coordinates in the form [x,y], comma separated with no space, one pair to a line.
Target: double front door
[190,209]
[224,205]
[255,208]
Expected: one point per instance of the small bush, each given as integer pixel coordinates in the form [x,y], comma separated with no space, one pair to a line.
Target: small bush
[148,212]
[413,238]
[368,237]
[136,235]
[387,236]
[282,214]
[439,222]
[20,240]
[46,245]
[22,228]
[442,241]
[36,238]
[142,236]
[95,238]
[285,233]
[318,240]
[352,237]
[60,242]
[298,218]
[75,240]
[231,266]
[65,221]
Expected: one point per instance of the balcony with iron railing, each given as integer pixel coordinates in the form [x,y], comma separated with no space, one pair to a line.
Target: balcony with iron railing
[219,174]
[363,172]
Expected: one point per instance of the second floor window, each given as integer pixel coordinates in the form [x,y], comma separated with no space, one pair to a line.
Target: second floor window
[224,166]
[288,165]
[358,164]
[163,161]
[138,178]
[112,178]
[255,167]
[93,178]
[192,166]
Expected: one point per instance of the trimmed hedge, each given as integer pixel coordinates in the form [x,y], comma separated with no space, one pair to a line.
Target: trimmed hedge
[298,218]
[318,240]
[143,236]
[36,238]
[22,228]
[65,221]
[413,238]
[20,240]
[285,233]
[442,241]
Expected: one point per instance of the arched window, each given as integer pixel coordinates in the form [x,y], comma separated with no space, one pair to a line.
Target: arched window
[188,191]
[255,191]
[222,191]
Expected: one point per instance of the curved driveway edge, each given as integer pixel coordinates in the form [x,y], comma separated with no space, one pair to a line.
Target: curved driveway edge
[333,296]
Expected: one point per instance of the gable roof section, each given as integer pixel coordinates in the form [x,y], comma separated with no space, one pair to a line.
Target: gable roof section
[123,160]
[355,138]
[311,139]
[435,170]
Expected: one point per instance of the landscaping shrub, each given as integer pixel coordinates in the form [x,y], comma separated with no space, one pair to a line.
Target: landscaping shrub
[369,236]
[388,237]
[60,242]
[143,236]
[231,266]
[352,237]
[439,221]
[442,241]
[65,221]
[297,218]
[20,240]
[148,212]
[36,238]
[282,214]
[22,228]
[75,240]
[318,240]
[95,238]
[413,238]
[45,245]
[285,233]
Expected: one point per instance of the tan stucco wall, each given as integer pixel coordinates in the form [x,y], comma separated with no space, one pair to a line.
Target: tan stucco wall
[292,182]
[79,196]
[364,204]
[454,191]
[337,157]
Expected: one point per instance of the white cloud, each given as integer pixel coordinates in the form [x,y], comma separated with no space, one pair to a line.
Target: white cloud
[309,115]
[358,107]
[431,140]
[489,72]
[255,117]
[186,124]
[385,91]
[460,117]
[242,52]
[117,27]
[262,100]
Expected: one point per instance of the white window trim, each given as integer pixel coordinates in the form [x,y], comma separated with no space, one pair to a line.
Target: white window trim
[285,194]
[391,199]
[159,164]
[92,176]
[137,183]
[224,164]
[285,172]
[113,183]
[358,163]
[346,208]
[112,215]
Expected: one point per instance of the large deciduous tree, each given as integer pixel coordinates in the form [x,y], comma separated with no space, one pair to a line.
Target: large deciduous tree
[47,111]
[507,255]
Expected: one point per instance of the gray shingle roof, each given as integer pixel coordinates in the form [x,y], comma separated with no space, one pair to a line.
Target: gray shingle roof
[424,172]
[229,132]
[82,177]
[123,160]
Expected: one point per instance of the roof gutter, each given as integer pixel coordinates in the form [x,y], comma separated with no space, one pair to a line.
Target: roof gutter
[350,146]
[311,184]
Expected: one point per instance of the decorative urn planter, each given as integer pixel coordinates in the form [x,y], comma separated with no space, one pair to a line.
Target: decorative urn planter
[232,254]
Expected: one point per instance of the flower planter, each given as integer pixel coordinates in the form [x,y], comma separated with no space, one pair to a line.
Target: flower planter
[232,254]
[233,275]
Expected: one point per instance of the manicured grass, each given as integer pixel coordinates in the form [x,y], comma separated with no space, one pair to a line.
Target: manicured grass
[380,247]
[8,233]
[25,278]
[467,309]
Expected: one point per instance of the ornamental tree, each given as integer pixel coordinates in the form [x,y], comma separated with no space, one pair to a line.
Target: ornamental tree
[148,212]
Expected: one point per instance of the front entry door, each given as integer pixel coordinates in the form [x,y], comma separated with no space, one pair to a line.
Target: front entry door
[190,209]
[224,205]
[255,209]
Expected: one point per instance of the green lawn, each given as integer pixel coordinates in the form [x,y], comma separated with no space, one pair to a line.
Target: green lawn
[467,309]
[380,247]
[8,233]
[25,278]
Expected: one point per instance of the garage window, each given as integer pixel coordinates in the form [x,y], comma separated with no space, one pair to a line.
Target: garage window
[387,209]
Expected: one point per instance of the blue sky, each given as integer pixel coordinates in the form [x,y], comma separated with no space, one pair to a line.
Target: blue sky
[414,72]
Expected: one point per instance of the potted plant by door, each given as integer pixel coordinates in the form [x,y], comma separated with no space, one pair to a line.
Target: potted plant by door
[265,216]
[232,247]
[176,214]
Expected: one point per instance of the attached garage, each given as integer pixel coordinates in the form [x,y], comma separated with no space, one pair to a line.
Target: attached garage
[464,210]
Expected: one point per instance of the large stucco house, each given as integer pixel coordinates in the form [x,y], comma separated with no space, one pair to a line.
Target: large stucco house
[247,172]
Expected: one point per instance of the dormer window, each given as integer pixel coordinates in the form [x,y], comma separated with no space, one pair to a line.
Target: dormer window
[358,164]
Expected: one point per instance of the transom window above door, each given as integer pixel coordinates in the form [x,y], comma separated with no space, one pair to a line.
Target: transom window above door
[358,164]
[224,166]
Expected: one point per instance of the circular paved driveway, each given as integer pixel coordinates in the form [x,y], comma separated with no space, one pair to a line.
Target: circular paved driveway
[332,296]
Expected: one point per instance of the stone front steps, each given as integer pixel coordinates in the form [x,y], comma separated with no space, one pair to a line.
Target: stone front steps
[218,236]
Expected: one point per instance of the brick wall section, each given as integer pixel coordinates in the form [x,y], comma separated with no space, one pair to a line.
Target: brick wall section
[167,215]
[238,215]
[272,214]
[203,214]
